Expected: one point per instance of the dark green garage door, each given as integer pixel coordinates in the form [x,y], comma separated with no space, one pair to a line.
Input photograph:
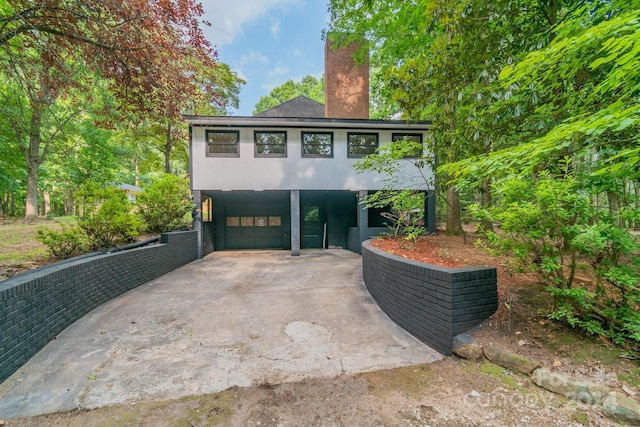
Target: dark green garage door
[254,227]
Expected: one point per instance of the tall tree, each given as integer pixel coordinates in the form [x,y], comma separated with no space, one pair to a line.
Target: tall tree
[439,60]
[136,45]
[583,94]
[309,86]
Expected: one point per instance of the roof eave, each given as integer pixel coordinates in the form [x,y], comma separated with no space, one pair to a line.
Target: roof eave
[249,121]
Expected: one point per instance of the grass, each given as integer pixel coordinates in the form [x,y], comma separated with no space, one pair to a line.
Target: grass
[412,380]
[19,249]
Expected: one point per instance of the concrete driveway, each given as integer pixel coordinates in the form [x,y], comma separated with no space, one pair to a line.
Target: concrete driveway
[230,319]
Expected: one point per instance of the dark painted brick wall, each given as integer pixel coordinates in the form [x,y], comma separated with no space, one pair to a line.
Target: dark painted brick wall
[432,303]
[37,306]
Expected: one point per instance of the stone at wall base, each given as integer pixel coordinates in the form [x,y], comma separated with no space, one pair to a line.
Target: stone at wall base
[622,409]
[465,346]
[571,388]
[510,360]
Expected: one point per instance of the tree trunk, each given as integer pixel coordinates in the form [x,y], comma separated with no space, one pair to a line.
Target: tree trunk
[614,206]
[32,154]
[47,204]
[454,217]
[137,169]
[485,202]
[31,206]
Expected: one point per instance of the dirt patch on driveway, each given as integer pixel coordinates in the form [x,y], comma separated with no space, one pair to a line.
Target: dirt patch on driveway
[446,393]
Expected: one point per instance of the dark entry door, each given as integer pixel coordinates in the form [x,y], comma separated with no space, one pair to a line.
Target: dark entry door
[312,226]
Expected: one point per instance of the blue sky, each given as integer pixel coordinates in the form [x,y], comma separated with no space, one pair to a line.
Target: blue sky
[267,42]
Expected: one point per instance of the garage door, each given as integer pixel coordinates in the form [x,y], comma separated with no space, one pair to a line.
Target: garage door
[254,227]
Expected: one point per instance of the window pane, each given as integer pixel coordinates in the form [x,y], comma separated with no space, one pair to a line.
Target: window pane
[317,144]
[271,143]
[233,221]
[362,144]
[261,221]
[275,221]
[222,142]
[246,221]
[413,139]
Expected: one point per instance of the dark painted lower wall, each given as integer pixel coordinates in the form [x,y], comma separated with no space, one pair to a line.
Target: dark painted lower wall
[353,237]
[432,303]
[208,238]
[37,306]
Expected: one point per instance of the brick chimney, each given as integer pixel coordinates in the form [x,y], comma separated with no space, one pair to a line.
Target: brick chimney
[346,82]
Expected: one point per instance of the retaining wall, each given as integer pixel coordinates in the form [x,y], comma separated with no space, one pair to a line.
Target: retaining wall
[38,305]
[432,303]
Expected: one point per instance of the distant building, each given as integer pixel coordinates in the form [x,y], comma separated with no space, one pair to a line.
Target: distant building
[131,190]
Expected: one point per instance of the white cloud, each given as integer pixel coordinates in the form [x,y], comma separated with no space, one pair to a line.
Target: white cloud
[275,28]
[228,18]
[253,57]
[278,71]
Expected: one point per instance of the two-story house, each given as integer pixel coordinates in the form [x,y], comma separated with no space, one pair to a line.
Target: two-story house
[285,178]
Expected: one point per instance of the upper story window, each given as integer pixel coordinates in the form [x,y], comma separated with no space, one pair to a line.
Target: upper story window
[361,144]
[317,144]
[270,143]
[414,139]
[222,143]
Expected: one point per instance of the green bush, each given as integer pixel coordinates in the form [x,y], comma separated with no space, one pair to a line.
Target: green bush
[107,217]
[165,205]
[550,226]
[405,212]
[538,219]
[67,242]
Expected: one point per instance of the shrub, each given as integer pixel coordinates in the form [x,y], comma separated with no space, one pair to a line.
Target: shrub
[107,217]
[549,226]
[165,205]
[67,242]
[538,219]
[405,212]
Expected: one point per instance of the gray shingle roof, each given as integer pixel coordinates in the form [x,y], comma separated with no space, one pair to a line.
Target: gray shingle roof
[299,107]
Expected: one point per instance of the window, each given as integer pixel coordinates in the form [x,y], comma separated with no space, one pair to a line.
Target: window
[207,209]
[275,221]
[270,144]
[258,221]
[361,144]
[317,144]
[222,143]
[414,139]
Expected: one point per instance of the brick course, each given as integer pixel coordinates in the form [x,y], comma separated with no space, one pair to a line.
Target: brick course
[38,305]
[432,303]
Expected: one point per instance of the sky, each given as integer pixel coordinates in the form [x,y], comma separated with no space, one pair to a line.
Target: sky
[267,42]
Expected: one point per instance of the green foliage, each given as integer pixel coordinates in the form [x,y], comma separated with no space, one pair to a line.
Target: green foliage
[107,217]
[579,94]
[404,210]
[549,226]
[67,242]
[538,219]
[165,205]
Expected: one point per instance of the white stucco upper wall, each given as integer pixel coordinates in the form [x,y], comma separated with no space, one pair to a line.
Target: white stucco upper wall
[294,172]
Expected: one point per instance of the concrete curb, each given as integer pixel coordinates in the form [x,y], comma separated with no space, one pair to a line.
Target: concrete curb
[614,405]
